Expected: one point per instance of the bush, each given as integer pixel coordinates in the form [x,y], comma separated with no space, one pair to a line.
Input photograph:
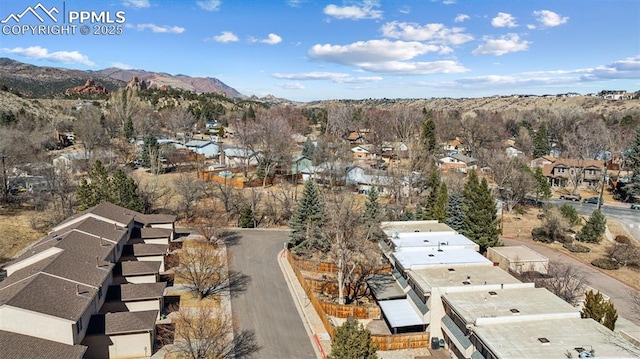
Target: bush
[576,248]
[606,263]
[539,234]
[622,239]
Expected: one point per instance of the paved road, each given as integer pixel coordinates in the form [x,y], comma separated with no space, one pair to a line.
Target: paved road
[266,306]
[616,290]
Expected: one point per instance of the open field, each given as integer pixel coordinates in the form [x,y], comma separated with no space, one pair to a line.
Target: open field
[17,233]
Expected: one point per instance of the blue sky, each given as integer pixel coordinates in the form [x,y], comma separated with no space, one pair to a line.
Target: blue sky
[312,50]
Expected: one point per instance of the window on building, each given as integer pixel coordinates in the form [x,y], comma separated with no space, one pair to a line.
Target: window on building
[79,325]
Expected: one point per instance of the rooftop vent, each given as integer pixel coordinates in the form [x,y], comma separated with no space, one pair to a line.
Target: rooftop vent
[417,230]
[425,240]
[514,311]
[544,341]
[431,255]
[493,294]
[452,269]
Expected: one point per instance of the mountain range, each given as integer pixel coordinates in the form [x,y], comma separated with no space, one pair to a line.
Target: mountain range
[40,81]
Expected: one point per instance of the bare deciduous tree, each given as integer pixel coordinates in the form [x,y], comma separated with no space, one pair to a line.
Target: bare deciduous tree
[88,129]
[206,332]
[564,280]
[190,188]
[202,267]
[179,120]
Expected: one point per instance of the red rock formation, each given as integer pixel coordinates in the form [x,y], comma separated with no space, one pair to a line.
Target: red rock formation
[90,87]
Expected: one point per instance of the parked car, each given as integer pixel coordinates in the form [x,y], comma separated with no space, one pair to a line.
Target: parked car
[593,200]
[571,197]
[635,206]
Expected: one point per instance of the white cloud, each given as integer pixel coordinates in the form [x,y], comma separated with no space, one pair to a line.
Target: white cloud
[209,5]
[226,36]
[628,68]
[272,39]
[295,3]
[429,32]
[500,46]
[461,18]
[370,51]
[416,68]
[549,18]
[404,9]
[337,77]
[158,29]
[40,53]
[449,2]
[531,26]
[291,86]
[504,20]
[121,65]
[138,4]
[355,12]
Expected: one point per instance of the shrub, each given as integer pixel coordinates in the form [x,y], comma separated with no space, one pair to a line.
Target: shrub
[606,263]
[622,239]
[539,234]
[570,214]
[576,248]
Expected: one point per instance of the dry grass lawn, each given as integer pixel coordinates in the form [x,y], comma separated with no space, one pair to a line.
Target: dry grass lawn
[17,233]
[520,226]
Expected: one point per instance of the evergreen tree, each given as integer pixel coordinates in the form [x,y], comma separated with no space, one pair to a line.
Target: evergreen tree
[372,215]
[428,135]
[439,209]
[455,217]
[599,309]
[307,220]
[594,228]
[541,145]
[352,341]
[128,131]
[150,149]
[633,159]
[245,219]
[125,191]
[430,202]
[99,187]
[308,148]
[480,221]
[543,188]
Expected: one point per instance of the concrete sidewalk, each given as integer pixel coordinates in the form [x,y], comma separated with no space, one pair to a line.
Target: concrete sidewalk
[313,324]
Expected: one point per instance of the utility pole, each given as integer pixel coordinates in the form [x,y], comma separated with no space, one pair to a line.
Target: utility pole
[604,179]
[5,182]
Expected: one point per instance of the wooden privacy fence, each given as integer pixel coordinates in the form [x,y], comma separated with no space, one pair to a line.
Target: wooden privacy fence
[235,182]
[328,267]
[345,311]
[400,341]
[382,342]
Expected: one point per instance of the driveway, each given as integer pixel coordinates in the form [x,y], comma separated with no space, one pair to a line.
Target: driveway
[616,290]
[266,306]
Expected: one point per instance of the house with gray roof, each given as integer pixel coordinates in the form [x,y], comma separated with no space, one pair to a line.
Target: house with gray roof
[60,291]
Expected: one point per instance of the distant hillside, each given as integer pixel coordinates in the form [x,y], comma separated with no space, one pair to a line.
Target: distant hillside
[159,79]
[46,82]
[40,81]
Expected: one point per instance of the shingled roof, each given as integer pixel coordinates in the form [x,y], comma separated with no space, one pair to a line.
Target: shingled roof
[132,292]
[122,323]
[18,346]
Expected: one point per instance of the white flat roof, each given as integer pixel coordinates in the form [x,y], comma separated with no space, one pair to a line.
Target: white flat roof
[492,305]
[390,228]
[521,253]
[457,275]
[431,239]
[424,257]
[400,313]
[551,339]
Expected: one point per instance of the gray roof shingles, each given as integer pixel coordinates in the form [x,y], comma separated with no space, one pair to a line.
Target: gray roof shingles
[122,323]
[18,346]
[133,292]
[132,268]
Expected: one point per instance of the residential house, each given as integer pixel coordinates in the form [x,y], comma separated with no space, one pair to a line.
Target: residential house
[513,152]
[615,95]
[362,152]
[571,172]
[55,292]
[394,150]
[238,157]
[356,137]
[541,161]
[365,179]
[457,162]
[207,148]
[301,167]
[79,162]
[454,145]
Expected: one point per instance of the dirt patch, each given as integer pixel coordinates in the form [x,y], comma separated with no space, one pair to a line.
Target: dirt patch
[17,233]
